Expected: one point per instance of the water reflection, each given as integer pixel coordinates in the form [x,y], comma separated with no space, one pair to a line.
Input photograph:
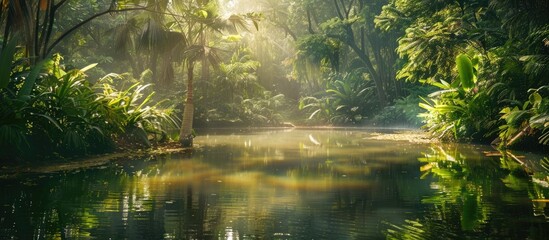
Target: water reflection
[284,185]
[476,197]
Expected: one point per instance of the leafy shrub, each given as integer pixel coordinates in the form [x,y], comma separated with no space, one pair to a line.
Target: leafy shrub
[532,117]
[466,110]
[235,97]
[461,110]
[348,99]
[263,111]
[404,112]
[49,110]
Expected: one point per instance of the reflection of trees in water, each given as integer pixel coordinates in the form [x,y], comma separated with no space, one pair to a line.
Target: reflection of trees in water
[260,193]
[474,197]
[252,194]
[114,202]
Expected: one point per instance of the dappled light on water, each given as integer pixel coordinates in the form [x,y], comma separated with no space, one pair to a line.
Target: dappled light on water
[299,160]
[279,184]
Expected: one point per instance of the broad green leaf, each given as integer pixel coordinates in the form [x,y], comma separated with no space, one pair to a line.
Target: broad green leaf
[442,84]
[445,108]
[465,70]
[314,113]
[27,87]
[50,119]
[425,106]
[441,92]
[86,68]
[535,98]
[505,110]
[539,121]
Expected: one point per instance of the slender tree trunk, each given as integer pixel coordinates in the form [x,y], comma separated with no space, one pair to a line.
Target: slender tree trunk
[185,133]
[36,50]
[378,82]
[49,28]
[309,22]
[28,28]
[205,76]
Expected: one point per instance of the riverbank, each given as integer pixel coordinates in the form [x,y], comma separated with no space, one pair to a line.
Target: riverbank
[414,136]
[14,170]
[87,162]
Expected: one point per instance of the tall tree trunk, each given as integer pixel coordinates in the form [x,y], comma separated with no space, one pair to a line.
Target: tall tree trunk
[378,82]
[186,131]
[205,76]
[309,22]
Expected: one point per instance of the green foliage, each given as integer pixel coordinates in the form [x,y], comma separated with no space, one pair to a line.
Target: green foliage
[508,61]
[460,181]
[316,54]
[455,112]
[465,71]
[404,112]
[391,18]
[318,108]
[316,48]
[346,100]
[503,44]
[263,111]
[532,117]
[342,38]
[429,49]
[61,112]
[130,112]
[237,78]
[234,96]
[6,58]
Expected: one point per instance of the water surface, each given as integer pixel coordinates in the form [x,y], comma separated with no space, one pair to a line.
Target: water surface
[285,184]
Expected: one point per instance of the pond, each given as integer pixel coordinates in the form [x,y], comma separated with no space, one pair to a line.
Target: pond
[287,184]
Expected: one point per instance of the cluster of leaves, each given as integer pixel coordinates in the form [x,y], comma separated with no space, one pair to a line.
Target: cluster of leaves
[235,97]
[265,110]
[509,43]
[346,100]
[313,52]
[459,111]
[532,116]
[465,110]
[404,113]
[48,109]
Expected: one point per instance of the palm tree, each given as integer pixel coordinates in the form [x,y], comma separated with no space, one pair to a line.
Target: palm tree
[202,21]
[193,54]
[199,18]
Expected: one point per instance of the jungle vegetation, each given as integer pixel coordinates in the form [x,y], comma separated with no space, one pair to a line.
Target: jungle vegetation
[79,77]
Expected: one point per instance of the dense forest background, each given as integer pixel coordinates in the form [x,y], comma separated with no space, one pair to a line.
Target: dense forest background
[80,77]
